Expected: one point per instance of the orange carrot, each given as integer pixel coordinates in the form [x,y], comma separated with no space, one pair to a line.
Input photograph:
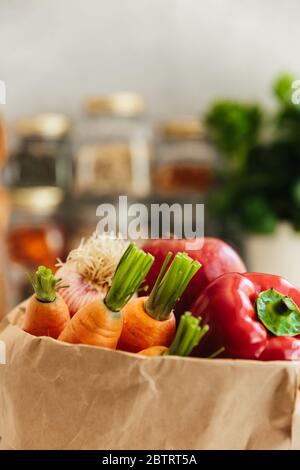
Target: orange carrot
[149,321]
[141,331]
[154,351]
[100,322]
[188,335]
[46,312]
[94,324]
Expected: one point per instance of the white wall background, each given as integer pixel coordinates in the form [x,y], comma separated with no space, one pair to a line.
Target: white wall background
[179,53]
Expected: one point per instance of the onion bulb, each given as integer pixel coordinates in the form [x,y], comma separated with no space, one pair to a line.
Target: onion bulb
[89,269]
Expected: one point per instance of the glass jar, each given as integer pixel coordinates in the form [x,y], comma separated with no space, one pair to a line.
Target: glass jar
[114,153]
[35,236]
[184,160]
[43,155]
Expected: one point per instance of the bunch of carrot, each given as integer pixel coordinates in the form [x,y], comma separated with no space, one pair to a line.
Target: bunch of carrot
[188,336]
[150,321]
[144,325]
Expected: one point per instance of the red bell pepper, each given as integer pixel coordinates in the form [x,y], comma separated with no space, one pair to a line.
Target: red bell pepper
[252,315]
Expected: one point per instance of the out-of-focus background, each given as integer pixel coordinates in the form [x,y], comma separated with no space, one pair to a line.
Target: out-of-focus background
[167,100]
[179,54]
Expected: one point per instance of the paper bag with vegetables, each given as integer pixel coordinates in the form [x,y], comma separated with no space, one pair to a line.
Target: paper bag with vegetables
[92,366]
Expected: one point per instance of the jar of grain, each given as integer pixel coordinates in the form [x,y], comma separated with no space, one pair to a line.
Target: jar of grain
[113,154]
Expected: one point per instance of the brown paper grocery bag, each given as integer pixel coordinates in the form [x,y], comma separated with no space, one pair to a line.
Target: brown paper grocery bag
[59,396]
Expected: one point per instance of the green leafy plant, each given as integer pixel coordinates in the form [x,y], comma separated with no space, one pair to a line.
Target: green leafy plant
[234,128]
[259,179]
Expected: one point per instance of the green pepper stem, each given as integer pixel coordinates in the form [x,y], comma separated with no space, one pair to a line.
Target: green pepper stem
[278,313]
[170,285]
[130,272]
[45,284]
[282,306]
[188,335]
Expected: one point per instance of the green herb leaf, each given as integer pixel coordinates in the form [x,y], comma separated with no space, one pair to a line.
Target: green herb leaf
[283,90]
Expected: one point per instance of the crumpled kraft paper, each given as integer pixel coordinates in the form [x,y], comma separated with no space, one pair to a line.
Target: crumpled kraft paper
[59,396]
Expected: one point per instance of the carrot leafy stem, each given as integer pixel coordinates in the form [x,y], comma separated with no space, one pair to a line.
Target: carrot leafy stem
[129,274]
[189,334]
[45,284]
[170,285]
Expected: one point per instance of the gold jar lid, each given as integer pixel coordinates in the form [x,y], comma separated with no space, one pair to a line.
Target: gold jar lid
[38,200]
[118,104]
[184,128]
[48,125]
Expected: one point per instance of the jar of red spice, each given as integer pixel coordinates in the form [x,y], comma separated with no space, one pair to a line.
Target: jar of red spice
[184,158]
[35,236]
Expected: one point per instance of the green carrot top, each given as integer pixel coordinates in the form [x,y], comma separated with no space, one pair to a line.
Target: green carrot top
[189,334]
[45,284]
[170,285]
[130,273]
